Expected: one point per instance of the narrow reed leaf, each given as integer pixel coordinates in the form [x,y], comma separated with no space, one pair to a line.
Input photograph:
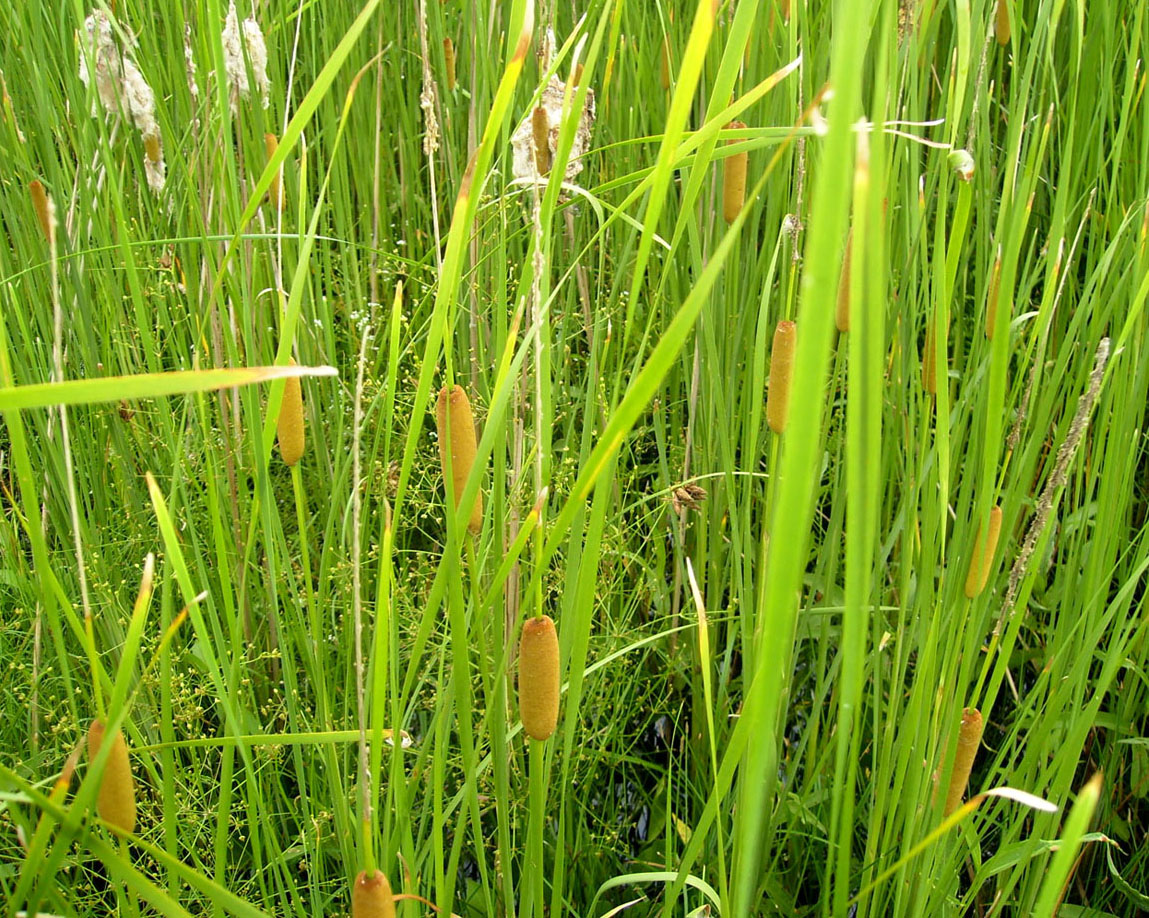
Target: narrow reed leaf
[991,297]
[969,738]
[539,677]
[929,361]
[781,373]
[734,180]
[983,550]
[457,431]
[842,313]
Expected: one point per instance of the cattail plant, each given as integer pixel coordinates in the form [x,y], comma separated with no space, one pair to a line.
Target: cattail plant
[969,738]
[781,372]
[982,561]
[1001,26]
[289,427]
[540,129]
[664,70]
[842,313]
[991,296]
[116,801]
[734,180]
[275,192]
[539,677]
[371,896]
[457,432]
[449,57]
[45,211]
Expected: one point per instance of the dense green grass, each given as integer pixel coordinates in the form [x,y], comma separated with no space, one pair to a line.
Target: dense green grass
[762,688]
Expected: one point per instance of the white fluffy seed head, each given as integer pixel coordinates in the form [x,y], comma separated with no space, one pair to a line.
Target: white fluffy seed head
[240,41]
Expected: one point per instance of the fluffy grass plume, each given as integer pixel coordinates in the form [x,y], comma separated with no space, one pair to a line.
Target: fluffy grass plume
[1001,26]
[982,561]
[781,372]
[289,427]
[539,677]
[454,404]
[842,313]
[371,896]
[275,192]
[116,801]
[969,738]
[734,180]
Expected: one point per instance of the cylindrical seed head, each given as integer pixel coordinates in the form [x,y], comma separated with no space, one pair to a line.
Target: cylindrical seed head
[781,372]
[45,213]
[1001,25]
[969,738]
[734,181]
[449,57]
[461,441]
[116,800]
[289,427]
[539,677]
[664,71]
[541,129]
[982,561]
[275,192]
[371,896]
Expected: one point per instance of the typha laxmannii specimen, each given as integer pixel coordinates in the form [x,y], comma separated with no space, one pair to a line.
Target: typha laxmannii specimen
[449,58]
[781,372]
[116,800]
[734,180]
[1001,26]
[275,192]
[453,405]
[289,426]
[664,69]
[371,896]
[45,212]
[969,738]
[539,677]
[540,129]
[983,550]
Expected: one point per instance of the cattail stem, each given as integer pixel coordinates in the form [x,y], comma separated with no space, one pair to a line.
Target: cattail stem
[983,550]
[969,738]
[734,180]
[781,372]
[449,57]
[457,433]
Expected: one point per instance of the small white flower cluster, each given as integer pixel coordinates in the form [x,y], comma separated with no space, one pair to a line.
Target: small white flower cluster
[238,44]
[123,91]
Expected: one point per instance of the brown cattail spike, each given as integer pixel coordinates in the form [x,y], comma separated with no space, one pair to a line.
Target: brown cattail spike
[1001,25]
[275,192]
[541,128]
[664,71]
[289,427]
[842,313]
[371,896]
[539,677]
[116,801]
[734,180]
[969,738]
[781,371]
[449,57]
[929,361]
[991,297]
[43,208]
[460,437]
[577,75]
[982,561]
